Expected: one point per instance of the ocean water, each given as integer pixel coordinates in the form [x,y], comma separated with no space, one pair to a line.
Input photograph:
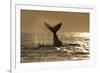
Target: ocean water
[37,47]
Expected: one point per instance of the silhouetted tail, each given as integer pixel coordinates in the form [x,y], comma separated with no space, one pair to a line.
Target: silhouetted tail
[55,28]
[56,41]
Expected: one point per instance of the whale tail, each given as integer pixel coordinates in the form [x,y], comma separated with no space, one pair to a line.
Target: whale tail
[56,41]
[55,28]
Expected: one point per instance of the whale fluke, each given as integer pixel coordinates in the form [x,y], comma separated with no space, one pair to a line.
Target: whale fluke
[55,28]
[56,41]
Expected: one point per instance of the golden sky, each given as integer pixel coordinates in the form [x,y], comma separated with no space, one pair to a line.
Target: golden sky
[33,21]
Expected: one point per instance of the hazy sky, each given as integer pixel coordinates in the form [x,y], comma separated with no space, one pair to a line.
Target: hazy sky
[33,21]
